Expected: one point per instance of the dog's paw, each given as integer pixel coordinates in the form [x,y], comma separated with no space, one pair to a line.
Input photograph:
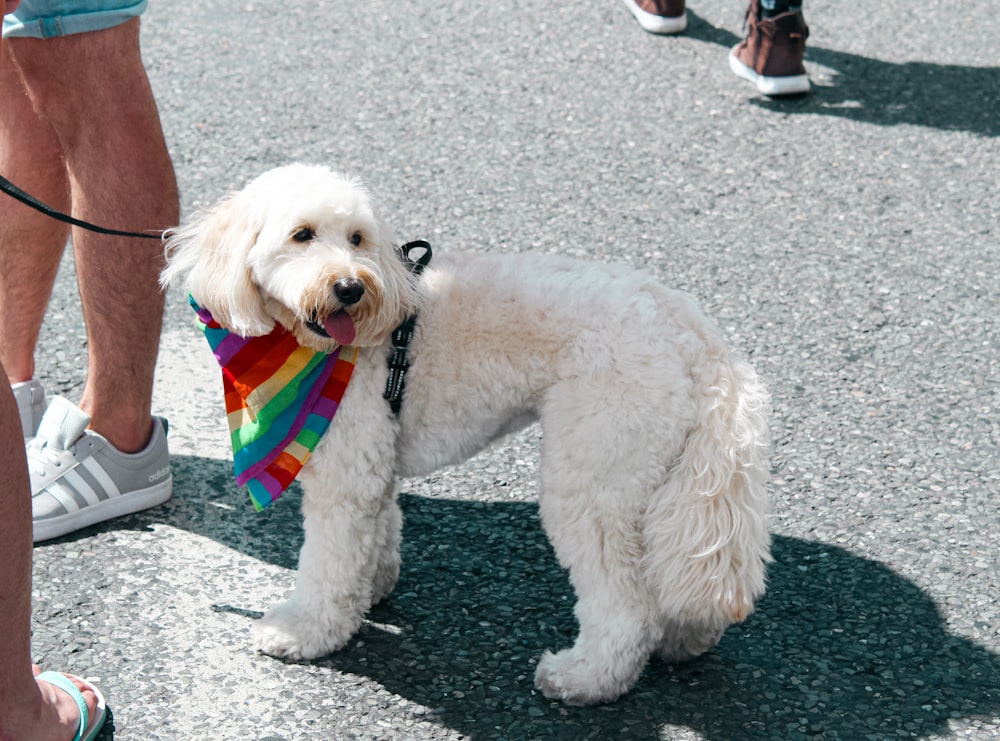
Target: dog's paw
[287,632]
[575,679]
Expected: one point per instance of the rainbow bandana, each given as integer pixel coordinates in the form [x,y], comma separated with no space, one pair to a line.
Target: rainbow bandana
[280,399]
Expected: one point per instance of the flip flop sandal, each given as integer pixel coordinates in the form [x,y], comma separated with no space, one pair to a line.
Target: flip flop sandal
[89,727]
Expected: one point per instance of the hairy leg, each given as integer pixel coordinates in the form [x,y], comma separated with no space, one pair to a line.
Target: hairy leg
[31,243]
[28,709]
[120,176]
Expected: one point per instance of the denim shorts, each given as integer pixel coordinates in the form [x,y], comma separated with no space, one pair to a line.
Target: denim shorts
[43,19]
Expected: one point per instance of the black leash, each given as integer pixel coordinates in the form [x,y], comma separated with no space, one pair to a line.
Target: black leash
[401,336]
[29,200]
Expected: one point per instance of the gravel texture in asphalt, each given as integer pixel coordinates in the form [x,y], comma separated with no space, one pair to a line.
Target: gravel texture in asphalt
[846,243]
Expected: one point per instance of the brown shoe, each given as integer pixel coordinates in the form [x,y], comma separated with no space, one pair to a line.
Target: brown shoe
[771,54]
[659,16]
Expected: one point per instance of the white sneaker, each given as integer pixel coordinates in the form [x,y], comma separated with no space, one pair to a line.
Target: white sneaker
[79,479]
[30,405]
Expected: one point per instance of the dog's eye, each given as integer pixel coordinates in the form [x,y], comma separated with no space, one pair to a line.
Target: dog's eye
[356,238]
[305,234]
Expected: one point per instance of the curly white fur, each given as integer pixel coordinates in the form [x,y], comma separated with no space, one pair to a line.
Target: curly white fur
[653,473]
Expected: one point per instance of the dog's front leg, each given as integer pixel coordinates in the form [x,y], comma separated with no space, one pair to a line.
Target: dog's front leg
[350,557]
[348,548]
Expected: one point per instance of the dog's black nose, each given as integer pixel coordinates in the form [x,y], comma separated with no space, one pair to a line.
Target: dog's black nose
[348,290]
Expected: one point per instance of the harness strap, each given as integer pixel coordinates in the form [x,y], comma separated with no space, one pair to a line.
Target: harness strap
[398,364]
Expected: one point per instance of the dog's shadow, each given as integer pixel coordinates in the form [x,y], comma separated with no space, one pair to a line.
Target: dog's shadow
[840,647]
[940,96]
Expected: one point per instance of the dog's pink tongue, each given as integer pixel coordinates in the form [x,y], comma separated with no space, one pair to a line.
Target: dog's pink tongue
[340,327]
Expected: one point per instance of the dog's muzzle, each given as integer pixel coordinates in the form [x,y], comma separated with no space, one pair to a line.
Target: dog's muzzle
[339,326]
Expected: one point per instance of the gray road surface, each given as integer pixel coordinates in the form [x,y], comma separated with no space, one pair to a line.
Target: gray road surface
[846,242]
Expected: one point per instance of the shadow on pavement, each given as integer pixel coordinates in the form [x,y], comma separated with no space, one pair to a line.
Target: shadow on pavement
[940,96]
[840,647]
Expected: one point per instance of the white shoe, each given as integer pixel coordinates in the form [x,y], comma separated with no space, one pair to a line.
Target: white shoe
[78,478]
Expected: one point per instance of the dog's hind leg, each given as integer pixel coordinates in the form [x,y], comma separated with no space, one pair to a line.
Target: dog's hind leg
[601,548]
[594,491]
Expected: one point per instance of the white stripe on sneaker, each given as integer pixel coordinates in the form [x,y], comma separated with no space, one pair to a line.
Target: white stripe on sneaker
[95,470]
[62,494]
[72,478]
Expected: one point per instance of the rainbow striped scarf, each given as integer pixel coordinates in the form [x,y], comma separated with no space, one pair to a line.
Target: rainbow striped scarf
[280,399]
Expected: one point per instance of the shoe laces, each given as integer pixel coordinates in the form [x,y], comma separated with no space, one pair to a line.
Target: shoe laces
[43,457]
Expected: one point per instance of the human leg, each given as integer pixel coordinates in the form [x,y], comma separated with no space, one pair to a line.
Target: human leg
[116,171]
[31,244]
[29,709]
[120,175]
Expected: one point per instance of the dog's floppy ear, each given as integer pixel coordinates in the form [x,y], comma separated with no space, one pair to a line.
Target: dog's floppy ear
[212,251]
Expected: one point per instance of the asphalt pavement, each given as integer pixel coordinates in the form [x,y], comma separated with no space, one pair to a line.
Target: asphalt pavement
[846,242]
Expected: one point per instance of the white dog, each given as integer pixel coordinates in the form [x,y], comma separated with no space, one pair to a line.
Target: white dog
[653,478]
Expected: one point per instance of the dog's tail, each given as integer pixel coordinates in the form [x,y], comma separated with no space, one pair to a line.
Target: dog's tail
[707,542]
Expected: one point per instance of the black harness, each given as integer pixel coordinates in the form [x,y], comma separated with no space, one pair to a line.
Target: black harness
[395,385]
